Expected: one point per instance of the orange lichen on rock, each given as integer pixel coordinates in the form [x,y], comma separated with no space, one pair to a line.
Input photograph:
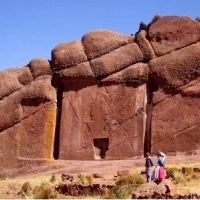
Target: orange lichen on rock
[49,133]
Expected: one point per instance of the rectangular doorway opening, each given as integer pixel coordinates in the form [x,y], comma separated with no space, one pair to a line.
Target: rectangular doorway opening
[100,148]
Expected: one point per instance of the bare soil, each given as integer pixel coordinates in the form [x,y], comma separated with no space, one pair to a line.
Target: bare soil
[97,166]
[9,187]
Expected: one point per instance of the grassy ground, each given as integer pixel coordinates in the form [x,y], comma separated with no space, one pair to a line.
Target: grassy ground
[189,184]
[9,188]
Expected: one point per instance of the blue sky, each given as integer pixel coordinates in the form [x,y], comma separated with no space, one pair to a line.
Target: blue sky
[32,28]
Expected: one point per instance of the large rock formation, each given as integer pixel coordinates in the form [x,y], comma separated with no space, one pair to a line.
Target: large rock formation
[107,96]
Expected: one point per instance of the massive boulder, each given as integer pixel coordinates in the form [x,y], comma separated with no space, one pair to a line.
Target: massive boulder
[79,70]
[99,42]
[68,54]
[107,96]
[27,123]
[40,67]
[145,45]
[14,79]
[116,60]
[179,67]
[170,33]
[176,101]
[152,190]
[136,73]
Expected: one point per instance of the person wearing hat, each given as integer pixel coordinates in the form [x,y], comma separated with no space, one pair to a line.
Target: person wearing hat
[159,172]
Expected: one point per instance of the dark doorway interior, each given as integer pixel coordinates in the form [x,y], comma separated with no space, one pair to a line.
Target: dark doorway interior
[151,88]
[58,119]
[100,147]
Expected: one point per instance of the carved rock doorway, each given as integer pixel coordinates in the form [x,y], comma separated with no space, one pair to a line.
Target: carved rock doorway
[100,148]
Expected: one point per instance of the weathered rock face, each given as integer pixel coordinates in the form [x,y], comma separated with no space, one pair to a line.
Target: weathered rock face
[13,80]
[108,96]
[67,55]
[178,67]
[172,32]
[100,121]
[27,123]
[99,42]
[116,60]
[164,189]
[40,67]
[175,123]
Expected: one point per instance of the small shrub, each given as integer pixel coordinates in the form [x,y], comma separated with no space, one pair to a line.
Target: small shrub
[44,191]
[89,178]
[197,19]
[179,177]
[123,192]
[155,18]
[86,179]
[26,187]
[170,171]
[132,179]
[52,179]
[125,184]
[187,170]
[195,176]
[190,174]
[25,190]
[110,195]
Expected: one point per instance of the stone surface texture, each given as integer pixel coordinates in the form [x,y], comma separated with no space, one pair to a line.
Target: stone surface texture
[145,45]
[152,190]
[116,60]
[80,70]
[178,67]
[137,73]
[40,67]
[170,33]
[99,42]
[106,96]
[14,79]
[68,54]
[103,114]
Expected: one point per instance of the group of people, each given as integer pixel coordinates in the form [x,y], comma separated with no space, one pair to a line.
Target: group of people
[159,172]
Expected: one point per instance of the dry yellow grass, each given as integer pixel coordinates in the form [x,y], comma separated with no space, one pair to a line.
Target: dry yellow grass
[9,188]
[185,164]
[190,186]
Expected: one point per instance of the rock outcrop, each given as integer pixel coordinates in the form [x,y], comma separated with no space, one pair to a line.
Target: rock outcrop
[162,190]
[107,96]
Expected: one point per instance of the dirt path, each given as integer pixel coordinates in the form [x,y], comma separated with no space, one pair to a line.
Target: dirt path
[98,166]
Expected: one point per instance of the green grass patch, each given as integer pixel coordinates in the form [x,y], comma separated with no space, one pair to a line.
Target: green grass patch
[125,185]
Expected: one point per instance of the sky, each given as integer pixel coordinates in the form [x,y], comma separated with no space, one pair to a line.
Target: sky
[32,28]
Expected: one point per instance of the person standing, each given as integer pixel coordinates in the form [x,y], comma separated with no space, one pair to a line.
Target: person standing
[159,172]
[161,162]
[148,165]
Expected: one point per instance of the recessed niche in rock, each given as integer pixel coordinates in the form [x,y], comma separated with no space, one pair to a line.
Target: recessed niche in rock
[100,147]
